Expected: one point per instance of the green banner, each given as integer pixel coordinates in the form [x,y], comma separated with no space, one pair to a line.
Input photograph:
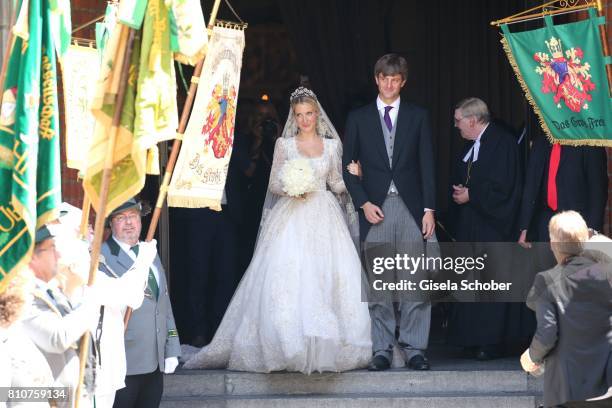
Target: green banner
[29,138]
[149,114]
[129,162]
[563,73]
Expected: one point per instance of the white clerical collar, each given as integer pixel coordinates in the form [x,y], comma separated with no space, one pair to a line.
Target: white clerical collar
[380,105]
[475,147]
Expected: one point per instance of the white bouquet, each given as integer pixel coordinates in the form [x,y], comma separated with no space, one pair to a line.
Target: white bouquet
[297,177]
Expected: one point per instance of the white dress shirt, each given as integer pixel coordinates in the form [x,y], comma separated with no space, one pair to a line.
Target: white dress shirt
[380,105]
[128,249]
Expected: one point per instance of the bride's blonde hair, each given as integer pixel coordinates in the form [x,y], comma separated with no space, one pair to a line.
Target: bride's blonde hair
[305,99]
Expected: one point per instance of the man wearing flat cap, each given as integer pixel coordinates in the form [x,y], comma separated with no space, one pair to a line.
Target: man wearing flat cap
[53,323]
[151,341]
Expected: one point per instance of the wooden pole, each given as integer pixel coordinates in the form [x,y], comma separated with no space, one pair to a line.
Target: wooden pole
[85,215]
[106,177]
[606,48]
[176,147]
[7,54]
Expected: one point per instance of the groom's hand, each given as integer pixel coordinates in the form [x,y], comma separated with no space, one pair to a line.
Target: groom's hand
[372,212]
[429,224]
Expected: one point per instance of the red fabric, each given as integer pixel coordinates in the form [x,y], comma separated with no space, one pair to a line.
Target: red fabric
[553,167]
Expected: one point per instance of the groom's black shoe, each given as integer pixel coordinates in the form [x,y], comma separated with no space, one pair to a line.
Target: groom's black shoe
[379,363]
[418,363]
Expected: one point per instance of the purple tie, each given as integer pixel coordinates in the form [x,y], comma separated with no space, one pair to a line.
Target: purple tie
[388,118]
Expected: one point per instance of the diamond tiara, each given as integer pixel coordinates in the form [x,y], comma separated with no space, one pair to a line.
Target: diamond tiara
[301,92]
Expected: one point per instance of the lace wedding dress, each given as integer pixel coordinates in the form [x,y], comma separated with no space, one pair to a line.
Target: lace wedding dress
[298,306]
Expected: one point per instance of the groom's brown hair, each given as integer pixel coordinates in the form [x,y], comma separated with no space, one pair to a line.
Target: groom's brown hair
[391,64]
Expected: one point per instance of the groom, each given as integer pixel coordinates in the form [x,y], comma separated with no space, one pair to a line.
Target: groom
[396,193]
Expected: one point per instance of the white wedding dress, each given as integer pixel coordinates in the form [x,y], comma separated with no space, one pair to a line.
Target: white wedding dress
[298,306]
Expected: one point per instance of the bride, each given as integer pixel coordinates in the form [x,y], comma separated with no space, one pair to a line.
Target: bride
[298,306]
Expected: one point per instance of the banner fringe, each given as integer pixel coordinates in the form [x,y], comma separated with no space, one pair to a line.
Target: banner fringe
[191,60]
[194,202]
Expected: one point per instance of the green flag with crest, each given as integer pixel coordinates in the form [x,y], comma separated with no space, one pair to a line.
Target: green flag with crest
[29,132]
[562,70]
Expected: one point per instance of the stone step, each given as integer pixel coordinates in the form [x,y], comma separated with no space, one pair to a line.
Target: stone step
[362,400]
[211,383]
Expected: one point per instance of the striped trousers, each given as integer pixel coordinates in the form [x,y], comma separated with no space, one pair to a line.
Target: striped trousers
[399,229]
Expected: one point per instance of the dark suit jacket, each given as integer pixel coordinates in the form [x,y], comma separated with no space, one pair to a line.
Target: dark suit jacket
[573,305]
[413,166]
[582,183]
[151,335]
[494,189]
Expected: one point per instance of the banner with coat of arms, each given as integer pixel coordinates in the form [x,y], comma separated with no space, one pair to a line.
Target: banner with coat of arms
[199,176]
[562,70]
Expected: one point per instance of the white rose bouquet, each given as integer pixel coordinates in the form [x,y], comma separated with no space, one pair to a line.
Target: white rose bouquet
[297,177]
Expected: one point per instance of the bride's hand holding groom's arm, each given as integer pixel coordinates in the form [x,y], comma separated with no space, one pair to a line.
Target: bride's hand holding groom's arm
[354,168]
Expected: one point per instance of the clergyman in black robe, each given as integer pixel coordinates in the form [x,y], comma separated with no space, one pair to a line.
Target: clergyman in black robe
[486,192]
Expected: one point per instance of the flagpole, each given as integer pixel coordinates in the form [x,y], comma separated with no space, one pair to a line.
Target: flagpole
[176,147]
[85,215]
[553,10]
[104,188]
[606,49]
[7,54]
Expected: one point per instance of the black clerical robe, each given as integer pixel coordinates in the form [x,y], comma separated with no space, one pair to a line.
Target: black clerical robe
[494,183]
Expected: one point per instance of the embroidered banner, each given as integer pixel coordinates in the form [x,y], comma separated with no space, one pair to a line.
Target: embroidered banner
[562,70]
[190,35]
[82,64]
[29,132]
[201,169]
[129,157]
[149,113]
